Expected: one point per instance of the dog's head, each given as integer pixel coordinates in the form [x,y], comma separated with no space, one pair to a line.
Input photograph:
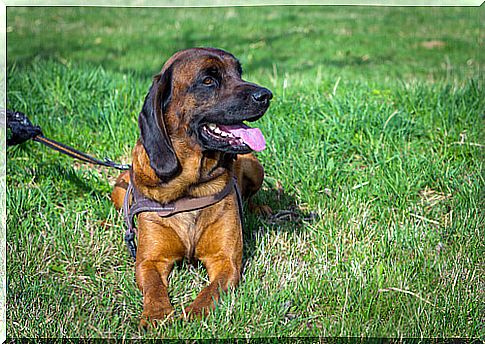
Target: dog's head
[200,97]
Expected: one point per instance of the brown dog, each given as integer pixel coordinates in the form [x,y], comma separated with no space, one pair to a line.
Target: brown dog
[192,143]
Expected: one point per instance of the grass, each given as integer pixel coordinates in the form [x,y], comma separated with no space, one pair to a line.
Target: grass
[375,131]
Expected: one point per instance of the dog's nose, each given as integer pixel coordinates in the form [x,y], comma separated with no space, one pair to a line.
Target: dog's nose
[262,95]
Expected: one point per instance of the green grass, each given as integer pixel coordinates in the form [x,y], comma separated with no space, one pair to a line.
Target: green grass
[378,136]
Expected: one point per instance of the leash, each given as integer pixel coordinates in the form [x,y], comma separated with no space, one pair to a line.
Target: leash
[23,130]
[136,203]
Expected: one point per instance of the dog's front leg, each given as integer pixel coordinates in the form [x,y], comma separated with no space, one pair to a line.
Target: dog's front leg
[158,249]
[220,250]
[225,274]
[156,303]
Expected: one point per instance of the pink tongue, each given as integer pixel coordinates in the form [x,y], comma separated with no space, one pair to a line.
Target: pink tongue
[251,136]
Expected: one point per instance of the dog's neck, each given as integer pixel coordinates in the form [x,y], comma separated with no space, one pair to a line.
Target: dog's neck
[201,174]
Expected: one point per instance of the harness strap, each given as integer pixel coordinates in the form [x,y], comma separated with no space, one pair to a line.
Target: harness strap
[239,202]
[135,203]
[131,229]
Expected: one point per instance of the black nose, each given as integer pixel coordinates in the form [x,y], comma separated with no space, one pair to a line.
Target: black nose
[262,95]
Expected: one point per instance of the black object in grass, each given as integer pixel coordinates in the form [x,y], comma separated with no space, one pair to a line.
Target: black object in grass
[22,129]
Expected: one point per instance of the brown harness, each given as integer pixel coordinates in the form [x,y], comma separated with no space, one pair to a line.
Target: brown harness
[135,203]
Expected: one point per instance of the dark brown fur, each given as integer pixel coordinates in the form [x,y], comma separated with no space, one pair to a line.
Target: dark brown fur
[212,235]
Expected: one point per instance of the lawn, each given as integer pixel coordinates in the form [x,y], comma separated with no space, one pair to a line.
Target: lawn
[375,146]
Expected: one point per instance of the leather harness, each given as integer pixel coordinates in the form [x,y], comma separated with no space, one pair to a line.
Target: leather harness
[135,203]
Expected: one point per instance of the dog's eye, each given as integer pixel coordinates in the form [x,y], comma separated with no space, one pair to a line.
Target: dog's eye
[208,81]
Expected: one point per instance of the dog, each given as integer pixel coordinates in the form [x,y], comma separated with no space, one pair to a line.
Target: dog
[192,143]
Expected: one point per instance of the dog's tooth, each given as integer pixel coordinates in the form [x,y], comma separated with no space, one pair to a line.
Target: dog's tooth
[212,126]
[224,134]
[217,130]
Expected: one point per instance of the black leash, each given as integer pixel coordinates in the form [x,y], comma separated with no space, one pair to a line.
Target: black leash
[22,129]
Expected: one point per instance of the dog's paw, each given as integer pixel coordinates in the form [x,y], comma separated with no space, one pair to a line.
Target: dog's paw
[195,312]
[154,318]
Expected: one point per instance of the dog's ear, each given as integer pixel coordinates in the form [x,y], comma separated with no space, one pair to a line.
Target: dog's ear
[153,132]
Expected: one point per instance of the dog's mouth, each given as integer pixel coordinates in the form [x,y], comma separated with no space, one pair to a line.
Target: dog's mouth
[237,138]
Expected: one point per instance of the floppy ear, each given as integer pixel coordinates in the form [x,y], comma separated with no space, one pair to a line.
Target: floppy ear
[153,133]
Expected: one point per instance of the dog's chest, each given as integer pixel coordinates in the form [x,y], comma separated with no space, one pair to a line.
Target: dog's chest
[187,228]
